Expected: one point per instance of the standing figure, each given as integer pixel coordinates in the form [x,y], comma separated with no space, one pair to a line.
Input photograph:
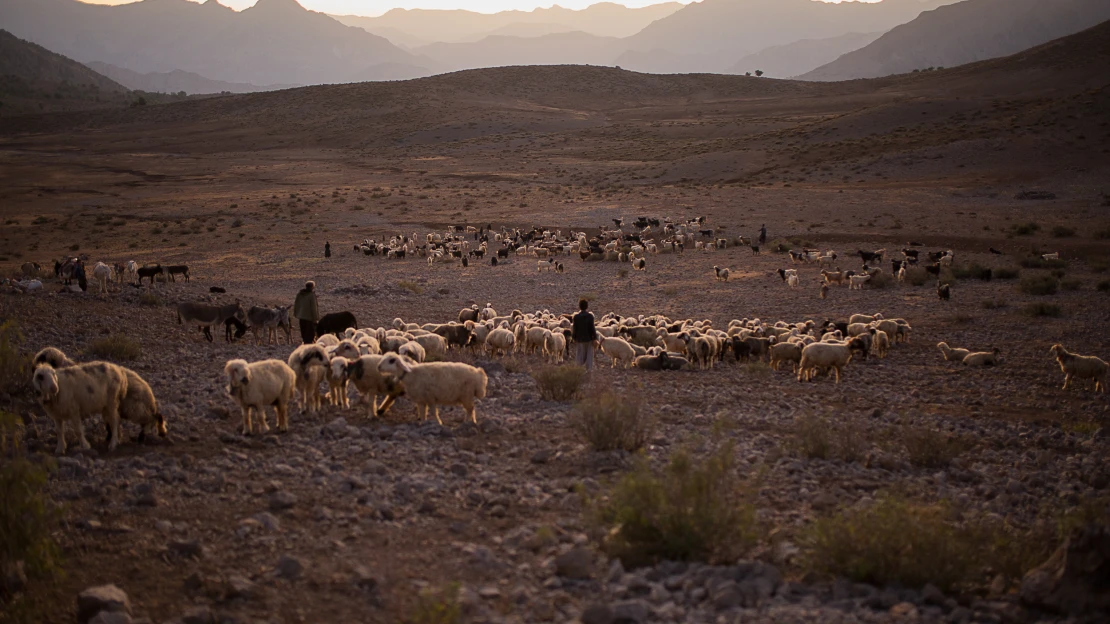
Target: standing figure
[585,335]
[307,311]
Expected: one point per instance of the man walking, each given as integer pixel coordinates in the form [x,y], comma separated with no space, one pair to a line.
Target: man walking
[585,335]
[763,234]
[327,249]
[306,310]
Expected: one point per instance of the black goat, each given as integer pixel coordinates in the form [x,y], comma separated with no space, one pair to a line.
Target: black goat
[944,291]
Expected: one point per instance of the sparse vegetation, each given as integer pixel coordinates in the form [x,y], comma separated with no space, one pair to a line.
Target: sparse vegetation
[994,304]
[1006,273]
[1039,285]
[1037,262]
[1043,309]
[929,448]
[438,607]
[411,286]
[116,347]
[609,421]
[150,300]
[817,437]
[14,366]
[1071,284]
[693,510]
[559,383]
[1060,231]
[1024,229]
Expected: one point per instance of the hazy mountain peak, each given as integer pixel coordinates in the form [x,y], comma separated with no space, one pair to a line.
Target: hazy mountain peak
[215,4]
[285,6]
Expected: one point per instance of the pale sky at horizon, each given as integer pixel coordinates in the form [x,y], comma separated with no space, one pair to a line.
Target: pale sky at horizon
[378,7]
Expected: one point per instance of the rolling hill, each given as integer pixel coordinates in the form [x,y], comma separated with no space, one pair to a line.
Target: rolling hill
[965,32]
[572,48]
[175,81]
[34,79]
[799,57]
[273,42]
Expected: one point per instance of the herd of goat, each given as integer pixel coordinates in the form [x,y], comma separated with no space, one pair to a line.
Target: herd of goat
[410,360]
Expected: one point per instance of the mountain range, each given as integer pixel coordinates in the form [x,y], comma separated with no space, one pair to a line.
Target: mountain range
[175,81]
[965,32]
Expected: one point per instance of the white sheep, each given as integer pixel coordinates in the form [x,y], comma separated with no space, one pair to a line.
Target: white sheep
[823,355]
[881,343]
[856,282]
[72,393]
[618,350]
[1081,366]
[535,339]
[556,346]
[786,352]
[364,375]
[500,341]
[1051,256]
[413,351]
[952,355]
[792,281]
[328,340]
[435,383]
[865,318]
[258,384]
[434,344]
[983,358]
[336,376]
[309,363]
[103,274]
[722,274]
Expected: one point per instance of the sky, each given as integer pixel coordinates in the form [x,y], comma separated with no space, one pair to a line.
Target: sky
[377,7]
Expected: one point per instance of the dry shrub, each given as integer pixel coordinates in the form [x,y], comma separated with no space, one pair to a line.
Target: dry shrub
[899,541]
[1039,285]
[559,383]
[116,347]
[1042,309]
[14,366]
[609,421]
[1038,262]
[917,276]
[692,511]
[1007,273]
[1071,284]
[150,300]
[817,437]
[929,448]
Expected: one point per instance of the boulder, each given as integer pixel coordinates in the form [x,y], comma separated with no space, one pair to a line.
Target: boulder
[93,600]
[1076,578]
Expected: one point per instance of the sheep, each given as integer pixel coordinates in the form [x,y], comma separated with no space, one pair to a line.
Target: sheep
[881,343]
[71,393]
[856,282]
[722,274]
[103,274]
[257,385]
[364,375]
[618,350]
[535,339]
[944,291]
[556,346]
[833,277]
[413,351]
[328,341]
[1051,256]
[138,405]
[865,318]
[786,352]
[501,341]
[346,348]
[433,384]
[434,344]
[952,355]
[309,363]
[983,358]
[1081,366]
[824,291]
[855,329]
[662,361]
[823,355]
[792,281]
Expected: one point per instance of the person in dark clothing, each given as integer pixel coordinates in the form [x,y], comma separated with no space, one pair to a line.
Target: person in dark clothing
[307,311]
[327,249]
[585,335]
[79,273]
[763,234]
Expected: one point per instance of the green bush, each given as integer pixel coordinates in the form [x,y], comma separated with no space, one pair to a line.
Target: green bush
[691,511]
[608,421]
[116,347]
[817,437]
[899,541]
[14,366]
[27,517]
[411,286]
[1060,231]
[1039,285]
[438,607]
[1042,309]
[559,383]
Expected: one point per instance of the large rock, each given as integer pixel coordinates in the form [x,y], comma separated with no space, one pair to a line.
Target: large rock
[576,563]
[1076,578]
[101,598]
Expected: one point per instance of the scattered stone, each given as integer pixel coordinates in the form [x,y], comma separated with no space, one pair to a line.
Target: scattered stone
[190,549]
[597,614]
[93,600]
[198,615]
[282,500]
[630,612]
[289,567]
[543,456]
[576,563]
[108,617]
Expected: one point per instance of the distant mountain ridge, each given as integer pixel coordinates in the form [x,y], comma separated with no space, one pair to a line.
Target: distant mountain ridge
[273,42]
[175,81]
[965,32]
[799,57]
[414,27]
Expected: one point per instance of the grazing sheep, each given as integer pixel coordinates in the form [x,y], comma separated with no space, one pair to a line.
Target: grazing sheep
[722,274]
[660,362]
[336,376]
[983,358]
[535,339]
[328,341]
[72,393]
[364,375]
[53,358]
[881,343]
[556,346]
[1051,256]
[824,291]
[500,341]
[823,355]
[257,385]
[833,277]
[856,282]
[786,352]
[413,351]
[1081,366]
[792,281]
[434,344]
[436,383]
[865,318]
[618,350]
[309,363]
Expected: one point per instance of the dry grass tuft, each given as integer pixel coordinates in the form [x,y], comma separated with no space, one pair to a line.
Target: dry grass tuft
[609,421]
